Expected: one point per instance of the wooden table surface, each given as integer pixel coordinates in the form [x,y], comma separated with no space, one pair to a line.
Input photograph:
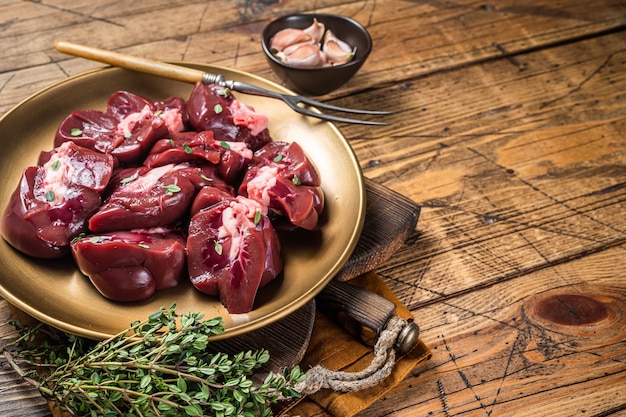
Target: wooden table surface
[509,130]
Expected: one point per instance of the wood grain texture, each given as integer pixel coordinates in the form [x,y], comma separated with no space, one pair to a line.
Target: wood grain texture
[509,132]
[494,355]
[410,39]
[533,183]
[13,389]
[390,218]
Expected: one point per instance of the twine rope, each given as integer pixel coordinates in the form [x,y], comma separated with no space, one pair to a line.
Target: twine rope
[382,364]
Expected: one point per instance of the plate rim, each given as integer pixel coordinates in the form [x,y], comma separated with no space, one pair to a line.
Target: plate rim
[289,308]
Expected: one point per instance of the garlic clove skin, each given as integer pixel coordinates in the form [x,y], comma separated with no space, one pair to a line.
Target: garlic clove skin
[287,37]
[316,31]
[303,55]
[337,51]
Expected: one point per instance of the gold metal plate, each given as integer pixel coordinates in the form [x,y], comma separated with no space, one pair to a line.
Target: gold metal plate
[55,292]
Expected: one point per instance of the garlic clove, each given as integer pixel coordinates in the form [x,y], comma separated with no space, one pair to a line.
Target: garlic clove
[337,51]
[287,37]
[303,55]
[316,31]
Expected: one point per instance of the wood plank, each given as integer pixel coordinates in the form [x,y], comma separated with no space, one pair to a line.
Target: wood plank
[398,29]
[508,182]
[510,132]
[13,387]
[496,352]
[31,28]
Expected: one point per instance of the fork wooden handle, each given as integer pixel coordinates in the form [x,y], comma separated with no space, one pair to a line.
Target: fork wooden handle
[148,66]
[191,75]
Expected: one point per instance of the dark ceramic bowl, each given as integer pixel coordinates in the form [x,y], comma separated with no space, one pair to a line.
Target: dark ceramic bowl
[318,81]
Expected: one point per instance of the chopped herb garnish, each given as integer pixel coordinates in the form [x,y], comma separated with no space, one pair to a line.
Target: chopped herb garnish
[77,238]
[76,132]
[55,165]
[218,108]
[187,148]
[225,145]
[278,158]
[127,135]
[223,91]
[143,246]
[95,239]
[130,179]
[158,113]
[218,247]
[171,188]
[49,195]
[204,177]
[296,180]
[257,217]
[171,142]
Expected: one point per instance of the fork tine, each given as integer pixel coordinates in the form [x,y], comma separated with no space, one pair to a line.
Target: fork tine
[333,118]
[293,100]
[182,73]
[310,102]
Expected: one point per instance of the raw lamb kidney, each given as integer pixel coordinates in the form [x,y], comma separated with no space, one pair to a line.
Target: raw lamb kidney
[127,129]
[147,197]
[54,200]
[131,265]
[232,251]
[213,107]
[282,178]
[230,158]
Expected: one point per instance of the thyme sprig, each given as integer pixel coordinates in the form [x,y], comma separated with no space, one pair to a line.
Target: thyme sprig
[156,367]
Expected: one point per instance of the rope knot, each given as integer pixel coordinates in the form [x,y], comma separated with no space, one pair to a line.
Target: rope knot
[318,377]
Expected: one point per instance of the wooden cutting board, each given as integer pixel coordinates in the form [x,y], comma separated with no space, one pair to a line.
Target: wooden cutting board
[389,220]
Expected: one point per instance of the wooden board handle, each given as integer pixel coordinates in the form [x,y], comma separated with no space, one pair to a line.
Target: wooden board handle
[390,218]
[362,313]
[161,69]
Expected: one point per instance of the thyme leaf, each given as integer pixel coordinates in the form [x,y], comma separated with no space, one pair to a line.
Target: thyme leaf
[130,179]
[218,247]
[171,189]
